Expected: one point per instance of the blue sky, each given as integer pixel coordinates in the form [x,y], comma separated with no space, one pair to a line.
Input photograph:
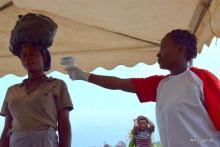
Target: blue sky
[106,116]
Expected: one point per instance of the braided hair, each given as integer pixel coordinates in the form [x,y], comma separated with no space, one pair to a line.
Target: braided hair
[186,38]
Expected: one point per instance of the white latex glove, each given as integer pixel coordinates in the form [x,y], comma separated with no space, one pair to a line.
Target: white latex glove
[77,74]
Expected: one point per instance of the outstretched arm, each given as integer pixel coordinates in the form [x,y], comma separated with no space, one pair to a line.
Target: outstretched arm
[113,83]
[145,88]
[108,82]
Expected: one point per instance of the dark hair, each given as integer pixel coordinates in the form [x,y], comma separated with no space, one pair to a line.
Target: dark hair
[47,62]
[142,118]
[186,38]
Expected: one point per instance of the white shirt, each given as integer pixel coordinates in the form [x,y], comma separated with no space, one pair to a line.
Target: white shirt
[181,116]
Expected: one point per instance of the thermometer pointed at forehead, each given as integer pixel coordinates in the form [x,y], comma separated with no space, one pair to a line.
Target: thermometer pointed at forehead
[68,61]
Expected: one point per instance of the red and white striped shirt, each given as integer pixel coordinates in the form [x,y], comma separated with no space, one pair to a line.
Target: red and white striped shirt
[143,139]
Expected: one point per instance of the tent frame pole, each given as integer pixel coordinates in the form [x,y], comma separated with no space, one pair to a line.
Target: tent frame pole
[6,5]
[196,21]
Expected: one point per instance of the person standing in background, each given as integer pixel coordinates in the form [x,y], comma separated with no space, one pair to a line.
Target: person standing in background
[142,133]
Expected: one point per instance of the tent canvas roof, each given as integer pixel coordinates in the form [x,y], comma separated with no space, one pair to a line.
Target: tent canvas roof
[109,33]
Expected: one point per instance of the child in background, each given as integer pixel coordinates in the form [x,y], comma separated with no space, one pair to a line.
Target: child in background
[142,133]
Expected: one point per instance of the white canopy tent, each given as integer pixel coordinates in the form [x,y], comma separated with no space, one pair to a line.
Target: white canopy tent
[108,33]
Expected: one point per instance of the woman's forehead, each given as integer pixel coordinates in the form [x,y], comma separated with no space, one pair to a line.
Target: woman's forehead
[29,48]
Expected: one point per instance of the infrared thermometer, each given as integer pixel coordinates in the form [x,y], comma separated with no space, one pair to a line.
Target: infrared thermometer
[68,62]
